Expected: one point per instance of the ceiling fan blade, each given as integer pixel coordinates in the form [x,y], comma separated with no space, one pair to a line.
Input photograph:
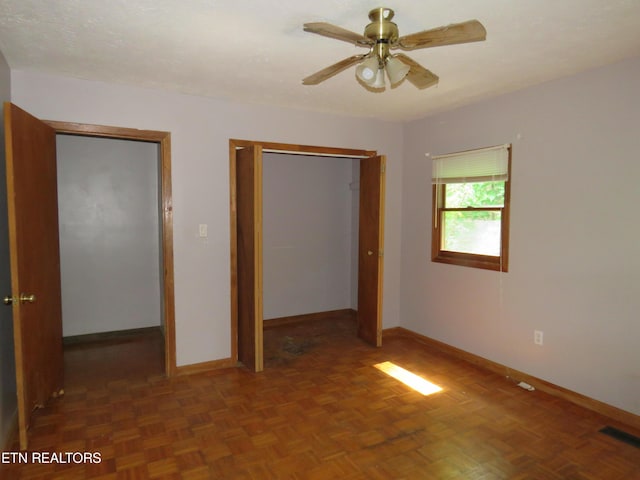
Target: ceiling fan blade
[339,33]
[470,31]
[418,75]
[331,70]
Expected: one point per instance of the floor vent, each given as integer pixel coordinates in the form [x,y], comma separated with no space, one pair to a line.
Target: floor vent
[622,436]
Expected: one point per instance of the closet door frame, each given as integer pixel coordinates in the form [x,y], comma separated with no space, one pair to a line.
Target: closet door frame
[249,274]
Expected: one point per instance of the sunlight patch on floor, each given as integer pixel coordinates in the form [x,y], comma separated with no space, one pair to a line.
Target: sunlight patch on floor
[410,379]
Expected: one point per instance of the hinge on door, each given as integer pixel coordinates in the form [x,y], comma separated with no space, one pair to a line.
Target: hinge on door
[383,169]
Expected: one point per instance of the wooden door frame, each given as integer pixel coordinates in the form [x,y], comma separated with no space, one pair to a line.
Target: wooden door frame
[163,139]
[268,147]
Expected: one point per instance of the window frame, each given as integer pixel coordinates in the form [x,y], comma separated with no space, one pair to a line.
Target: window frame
[498,263]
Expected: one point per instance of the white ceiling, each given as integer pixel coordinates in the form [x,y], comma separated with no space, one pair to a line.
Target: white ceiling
[256,51]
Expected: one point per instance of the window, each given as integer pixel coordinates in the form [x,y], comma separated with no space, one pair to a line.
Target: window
[471,192]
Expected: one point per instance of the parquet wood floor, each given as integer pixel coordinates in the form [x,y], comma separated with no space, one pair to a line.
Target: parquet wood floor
[320,410]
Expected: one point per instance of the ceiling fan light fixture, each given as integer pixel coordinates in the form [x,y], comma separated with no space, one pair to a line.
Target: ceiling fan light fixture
[379,82]
[396,70]
[367,71]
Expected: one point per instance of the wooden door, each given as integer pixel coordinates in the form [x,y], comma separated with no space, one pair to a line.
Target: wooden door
[371,249]
[249,256]
[32,201]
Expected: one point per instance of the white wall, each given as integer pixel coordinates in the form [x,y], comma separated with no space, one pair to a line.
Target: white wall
[307,228]
[200,132]
[574,261]
[109,234]
[8,404]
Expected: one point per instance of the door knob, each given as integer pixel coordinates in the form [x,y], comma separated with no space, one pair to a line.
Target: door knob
[369,253]
[8,300]
[24,298]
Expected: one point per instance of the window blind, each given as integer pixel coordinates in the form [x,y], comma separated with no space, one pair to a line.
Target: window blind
[483,165]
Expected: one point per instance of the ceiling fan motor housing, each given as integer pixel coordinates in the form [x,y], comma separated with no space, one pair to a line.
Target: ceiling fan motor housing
[381,28]
[382,31]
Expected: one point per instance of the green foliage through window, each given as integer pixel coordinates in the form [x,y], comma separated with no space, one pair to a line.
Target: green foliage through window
[471,230]
[479,194]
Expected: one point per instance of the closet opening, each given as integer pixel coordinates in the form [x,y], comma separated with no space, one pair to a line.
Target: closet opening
[116,252]
[306,242]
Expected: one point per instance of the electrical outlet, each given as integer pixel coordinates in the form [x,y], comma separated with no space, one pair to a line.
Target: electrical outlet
[202,230]
[538,337]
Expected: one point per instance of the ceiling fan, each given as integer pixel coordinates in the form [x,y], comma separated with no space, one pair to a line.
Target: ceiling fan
[381,36]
